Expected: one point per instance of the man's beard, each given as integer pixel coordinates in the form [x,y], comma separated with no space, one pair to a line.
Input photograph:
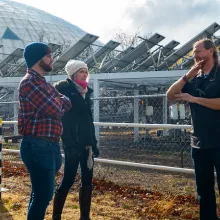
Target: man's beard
[45,67]
[205,60]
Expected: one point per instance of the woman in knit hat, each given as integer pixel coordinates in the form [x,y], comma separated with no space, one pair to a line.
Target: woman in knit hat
[78,138]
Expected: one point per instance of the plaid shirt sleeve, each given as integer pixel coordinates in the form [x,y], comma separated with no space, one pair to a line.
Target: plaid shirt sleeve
[66,103]
[44,98]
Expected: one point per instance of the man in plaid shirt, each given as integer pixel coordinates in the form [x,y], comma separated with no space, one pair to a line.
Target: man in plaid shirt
[41,107]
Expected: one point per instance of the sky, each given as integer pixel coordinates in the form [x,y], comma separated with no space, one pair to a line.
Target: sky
[178,20]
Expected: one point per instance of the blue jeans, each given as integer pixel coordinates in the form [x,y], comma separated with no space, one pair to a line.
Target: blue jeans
[43,159]
[206,161]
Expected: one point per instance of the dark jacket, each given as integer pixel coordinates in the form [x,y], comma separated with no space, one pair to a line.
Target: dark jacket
[78,127]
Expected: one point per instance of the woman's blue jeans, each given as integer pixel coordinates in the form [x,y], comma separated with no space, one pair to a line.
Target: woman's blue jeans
[43,159]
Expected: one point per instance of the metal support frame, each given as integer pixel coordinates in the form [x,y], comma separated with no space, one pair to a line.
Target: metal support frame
[136,115]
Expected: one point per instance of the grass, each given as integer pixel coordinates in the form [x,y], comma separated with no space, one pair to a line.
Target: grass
[119,193]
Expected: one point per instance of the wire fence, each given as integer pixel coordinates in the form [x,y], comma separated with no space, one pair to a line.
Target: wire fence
[144,140]
[141,144]
[118,142]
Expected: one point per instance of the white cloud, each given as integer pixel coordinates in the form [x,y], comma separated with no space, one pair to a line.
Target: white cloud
[175,19]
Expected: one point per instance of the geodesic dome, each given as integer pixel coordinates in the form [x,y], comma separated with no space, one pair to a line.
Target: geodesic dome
[21,24]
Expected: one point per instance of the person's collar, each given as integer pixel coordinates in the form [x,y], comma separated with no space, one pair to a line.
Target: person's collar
[208,66]
[72,83]
[210,74]
[35,73]
[69,81]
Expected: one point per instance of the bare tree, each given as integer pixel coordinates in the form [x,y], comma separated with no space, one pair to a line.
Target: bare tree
[129,40]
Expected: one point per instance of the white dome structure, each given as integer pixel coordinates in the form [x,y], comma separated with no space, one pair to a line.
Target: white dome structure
[21,24]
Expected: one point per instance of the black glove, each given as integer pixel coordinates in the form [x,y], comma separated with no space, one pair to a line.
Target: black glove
[95,151]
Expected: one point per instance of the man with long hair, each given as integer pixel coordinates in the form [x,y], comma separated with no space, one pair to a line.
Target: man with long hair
[201,88]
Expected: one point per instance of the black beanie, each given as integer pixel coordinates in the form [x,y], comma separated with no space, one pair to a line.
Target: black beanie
[34,52]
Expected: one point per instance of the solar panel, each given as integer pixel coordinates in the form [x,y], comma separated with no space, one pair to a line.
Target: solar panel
[138,51]
[189,62]
[136,62]
[11,59]
[155,57]
[22,68]
[53,47]
[74,51]
[117,58]
[101,53]
[171,59]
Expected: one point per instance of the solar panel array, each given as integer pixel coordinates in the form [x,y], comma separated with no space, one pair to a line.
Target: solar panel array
[148,55]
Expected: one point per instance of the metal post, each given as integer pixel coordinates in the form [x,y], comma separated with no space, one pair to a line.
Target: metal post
[136,115]
[15,105]
[164,114]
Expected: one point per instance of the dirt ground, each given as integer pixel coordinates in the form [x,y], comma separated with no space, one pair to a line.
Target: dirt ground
[15,202]
[119,193]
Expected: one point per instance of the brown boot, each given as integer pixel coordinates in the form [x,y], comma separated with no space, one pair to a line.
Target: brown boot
[85,197]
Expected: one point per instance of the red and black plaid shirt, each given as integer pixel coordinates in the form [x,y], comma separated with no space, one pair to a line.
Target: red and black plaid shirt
[41,107]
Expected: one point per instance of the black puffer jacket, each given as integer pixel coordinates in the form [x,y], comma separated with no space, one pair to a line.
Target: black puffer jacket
[78,127]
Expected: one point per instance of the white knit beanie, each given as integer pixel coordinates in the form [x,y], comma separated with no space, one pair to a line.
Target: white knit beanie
[73,66]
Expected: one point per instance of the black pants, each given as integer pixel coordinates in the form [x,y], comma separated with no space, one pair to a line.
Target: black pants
[72,162]
[206,161]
